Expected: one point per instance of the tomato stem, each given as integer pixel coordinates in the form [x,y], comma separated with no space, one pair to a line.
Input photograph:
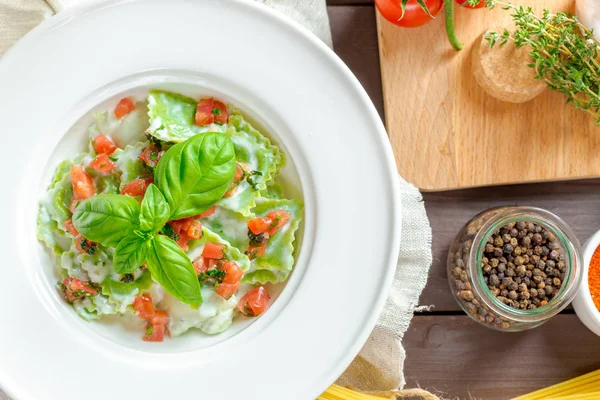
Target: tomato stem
[450,31]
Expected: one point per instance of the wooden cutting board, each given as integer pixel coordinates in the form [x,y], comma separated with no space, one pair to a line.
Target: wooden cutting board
[447,133]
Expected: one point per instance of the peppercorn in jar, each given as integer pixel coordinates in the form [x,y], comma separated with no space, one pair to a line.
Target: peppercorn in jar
[512,268]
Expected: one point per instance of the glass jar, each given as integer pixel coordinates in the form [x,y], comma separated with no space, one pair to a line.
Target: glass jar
[466,263]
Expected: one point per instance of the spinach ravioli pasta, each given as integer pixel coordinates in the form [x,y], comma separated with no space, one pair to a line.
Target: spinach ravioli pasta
[173,216]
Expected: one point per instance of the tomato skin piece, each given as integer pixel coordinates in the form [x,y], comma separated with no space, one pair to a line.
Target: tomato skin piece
[200,265]
[102,163]
[160,318]
[155,333]
[254,303]
[143,307]
[70,228]
[233,272]
[226,290]
[279,218]
[481,4]
[195,230]
[206,213]
[151,155]
[414,15]
[221,116]
[259,225]
[83,184]
[213,250]
[124,107]
[256,250]
[138,187]
[103,145]
[204,114]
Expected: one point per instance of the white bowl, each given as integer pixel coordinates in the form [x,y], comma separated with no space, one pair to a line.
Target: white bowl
[316,110]
[583,304]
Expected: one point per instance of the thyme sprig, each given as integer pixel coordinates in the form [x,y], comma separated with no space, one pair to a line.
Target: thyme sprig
[564,53]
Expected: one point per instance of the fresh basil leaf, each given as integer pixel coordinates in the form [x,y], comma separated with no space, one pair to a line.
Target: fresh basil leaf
[129,254]
[172,268]
[107,218]
[155,210]
[195,174]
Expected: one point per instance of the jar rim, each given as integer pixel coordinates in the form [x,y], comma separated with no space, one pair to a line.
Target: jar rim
[573,262]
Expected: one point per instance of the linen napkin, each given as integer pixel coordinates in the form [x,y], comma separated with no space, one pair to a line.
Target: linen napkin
[379,366]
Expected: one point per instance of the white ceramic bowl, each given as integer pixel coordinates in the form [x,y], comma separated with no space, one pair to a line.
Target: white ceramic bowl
[316,110]
[583,304]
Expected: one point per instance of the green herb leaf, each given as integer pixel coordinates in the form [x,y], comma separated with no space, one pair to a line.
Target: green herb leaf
[155,210]
[129,254]
[107,218]
[195,174]
[172,268]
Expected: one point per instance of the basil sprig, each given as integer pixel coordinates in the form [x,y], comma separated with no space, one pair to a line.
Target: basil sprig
[191,177]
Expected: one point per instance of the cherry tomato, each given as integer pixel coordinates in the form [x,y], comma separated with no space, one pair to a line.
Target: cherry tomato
[204,115]
[74,289]
[220,112]
[226,290]
[207,213]
[102,164]
[155,333]
[137,187]
[160,318]
[71,228]
[259,225]
[414,15]
[200,265]
[256,250]
[233,272]
[83,184]
[143,307]
[124,107]
[279,218]
[254,303]
[213,250]
[464,4]
[151,155]
[183,240]
[195,230]
[103,145]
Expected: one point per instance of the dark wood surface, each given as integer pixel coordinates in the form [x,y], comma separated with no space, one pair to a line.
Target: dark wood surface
[446,351]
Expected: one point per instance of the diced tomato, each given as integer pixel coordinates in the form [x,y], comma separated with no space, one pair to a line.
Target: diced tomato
[151,155]
[183,240]
[73,205]
[83,184]
[226,290]
[259,225]
[155,333]
[75,289]
[144,308]
[204,114]
[137,187]
[279,218]
[237,179]
[219,110]
[160,318]
[195,230]
[103,145]
[233,272]
[254,303]
[84,246]
[102,164]
[124,107]
[200,265]
[206,213]
[256,250]
[213,250]
[70,228]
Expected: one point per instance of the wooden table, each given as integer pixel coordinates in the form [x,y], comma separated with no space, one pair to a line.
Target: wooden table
[446,351]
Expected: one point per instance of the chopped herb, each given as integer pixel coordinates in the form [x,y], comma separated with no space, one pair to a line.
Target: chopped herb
[256,239]
[87,246]
[216,111]
[168,230]
[252,177]
[149,331]
[215,274]
[127,278]
[153,156]
[114,159]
